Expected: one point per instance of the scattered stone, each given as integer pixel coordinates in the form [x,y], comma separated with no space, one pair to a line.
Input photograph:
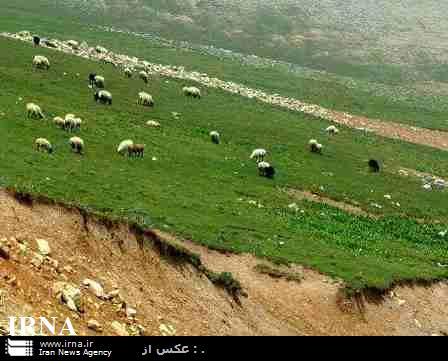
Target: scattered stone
[23,248]
[131,312]
[52,262]
[95,326]
[167,329]
[94,287]
[68,269]
[5,252]
[43,247]
[376,205]
[68,294]
[136,330]
[119,328]
[37,260]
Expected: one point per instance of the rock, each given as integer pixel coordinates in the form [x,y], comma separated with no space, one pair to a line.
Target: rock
[68,269]
[94,325]
[136,330]
[52,262]
[68,294]
[167,329]
[37,260]
[22,249]
[94,287]
[119,328]
[43,247]
[5,252]
[131,312]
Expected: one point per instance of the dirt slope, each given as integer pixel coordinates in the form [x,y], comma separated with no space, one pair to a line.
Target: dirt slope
[176,299]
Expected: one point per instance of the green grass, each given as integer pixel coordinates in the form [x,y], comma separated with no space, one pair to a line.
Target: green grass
[202,191]
[397,102]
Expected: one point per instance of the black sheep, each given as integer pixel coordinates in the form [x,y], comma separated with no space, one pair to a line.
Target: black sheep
[36,40]
[374,165]
[269,172]
[92,79]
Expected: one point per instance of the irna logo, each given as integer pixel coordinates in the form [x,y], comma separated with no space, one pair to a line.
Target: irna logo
[28,326]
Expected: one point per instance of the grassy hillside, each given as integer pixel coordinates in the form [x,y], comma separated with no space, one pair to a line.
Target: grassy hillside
[212,194]
[390,96]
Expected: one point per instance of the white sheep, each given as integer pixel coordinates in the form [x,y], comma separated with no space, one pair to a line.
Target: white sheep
[101,50]
[215,137]
[192,91]
[34,111]
[43,144]
[128,72]
[99,81]
[332,130]
[144,76]
[258,154]
[265,169]
[60,122]
[315,147]
[73,123]
[145,99]
[73,44]
[103,96]
[124,145]
[77,144]
[153,123]
[41,62]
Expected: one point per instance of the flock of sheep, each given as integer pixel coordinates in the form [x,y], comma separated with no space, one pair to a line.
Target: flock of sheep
[72,123]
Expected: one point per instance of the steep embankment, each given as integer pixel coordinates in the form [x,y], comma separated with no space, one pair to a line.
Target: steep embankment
[173,297]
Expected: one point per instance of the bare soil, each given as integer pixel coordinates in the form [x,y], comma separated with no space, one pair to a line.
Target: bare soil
[166,293]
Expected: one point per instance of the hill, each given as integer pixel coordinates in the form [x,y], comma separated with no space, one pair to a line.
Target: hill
[373,90]
[212,194]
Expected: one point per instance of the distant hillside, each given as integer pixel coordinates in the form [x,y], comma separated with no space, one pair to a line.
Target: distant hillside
[321,34]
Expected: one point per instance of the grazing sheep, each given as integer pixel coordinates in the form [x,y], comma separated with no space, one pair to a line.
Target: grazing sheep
[77,144]
[60,122]
[41,62]
[73,44]
[72,123]
[124,145]
[214,135]
[101,50]
[51,43]
[258,154]
[136,150]
[43,144]
[128,72]
[145,99]
[99,81]
[36,40]
[103,96]
[332,130]
[315,147]
[92,79]
[34,111]
[192,92]
[374,165]
[144,76]
[24,34]
[153,123]
[266,170]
